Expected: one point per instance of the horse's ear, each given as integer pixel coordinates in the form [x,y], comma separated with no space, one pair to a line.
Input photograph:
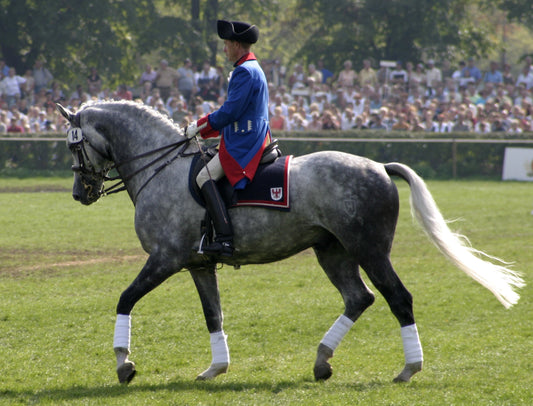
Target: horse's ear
[65,113]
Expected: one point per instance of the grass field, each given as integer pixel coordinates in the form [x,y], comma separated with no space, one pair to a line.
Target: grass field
[63,267]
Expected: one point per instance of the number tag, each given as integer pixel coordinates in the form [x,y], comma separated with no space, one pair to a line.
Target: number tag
[74,136]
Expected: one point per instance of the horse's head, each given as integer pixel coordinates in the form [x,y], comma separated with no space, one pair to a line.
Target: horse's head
[92,162]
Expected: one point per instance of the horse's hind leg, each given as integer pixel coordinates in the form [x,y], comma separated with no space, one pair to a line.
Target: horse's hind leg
[343,272]
[380,271]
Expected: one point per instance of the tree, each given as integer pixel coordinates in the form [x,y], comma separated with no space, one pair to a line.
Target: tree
[390,30]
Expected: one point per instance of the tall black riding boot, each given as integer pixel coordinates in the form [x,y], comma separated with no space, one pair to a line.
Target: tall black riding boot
[223,244]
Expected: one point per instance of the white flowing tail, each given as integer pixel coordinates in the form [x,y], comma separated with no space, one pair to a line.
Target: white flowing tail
[499,279]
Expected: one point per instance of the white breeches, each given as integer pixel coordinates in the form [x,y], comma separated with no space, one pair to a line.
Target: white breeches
[212,171]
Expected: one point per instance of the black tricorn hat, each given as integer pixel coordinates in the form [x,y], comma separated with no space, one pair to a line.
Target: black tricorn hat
[237,31]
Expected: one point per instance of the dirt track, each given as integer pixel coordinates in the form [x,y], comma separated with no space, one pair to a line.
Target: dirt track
[11,262]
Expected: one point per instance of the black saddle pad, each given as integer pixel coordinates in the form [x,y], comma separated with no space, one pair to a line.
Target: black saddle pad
[269,188]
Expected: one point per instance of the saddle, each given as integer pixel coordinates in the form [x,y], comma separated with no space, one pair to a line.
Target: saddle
[269,187]
[230,196]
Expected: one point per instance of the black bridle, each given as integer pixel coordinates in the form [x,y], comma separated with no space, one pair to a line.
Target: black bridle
[78,143]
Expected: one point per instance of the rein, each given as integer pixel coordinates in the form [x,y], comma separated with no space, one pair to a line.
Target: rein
[122,180]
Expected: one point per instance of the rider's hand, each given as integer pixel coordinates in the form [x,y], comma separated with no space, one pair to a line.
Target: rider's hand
[191,130]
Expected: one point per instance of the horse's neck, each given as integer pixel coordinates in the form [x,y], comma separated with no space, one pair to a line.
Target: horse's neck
[143,156]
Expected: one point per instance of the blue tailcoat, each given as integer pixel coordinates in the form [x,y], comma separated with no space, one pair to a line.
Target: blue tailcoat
[243,120]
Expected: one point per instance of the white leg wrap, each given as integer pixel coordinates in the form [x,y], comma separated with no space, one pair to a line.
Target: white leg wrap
[337,332]
[411,344]
[122,331]
[219,348]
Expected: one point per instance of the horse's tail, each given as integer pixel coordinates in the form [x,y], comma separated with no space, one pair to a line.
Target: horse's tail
[499,279]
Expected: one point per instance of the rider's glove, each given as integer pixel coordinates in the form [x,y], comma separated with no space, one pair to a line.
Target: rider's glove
[191,130]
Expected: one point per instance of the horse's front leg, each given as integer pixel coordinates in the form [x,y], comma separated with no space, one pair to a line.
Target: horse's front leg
[207,286]
[154,272]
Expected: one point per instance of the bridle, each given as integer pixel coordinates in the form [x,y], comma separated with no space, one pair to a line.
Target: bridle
[89,174]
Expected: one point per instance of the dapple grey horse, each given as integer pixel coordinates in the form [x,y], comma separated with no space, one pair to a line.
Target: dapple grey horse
[342,206]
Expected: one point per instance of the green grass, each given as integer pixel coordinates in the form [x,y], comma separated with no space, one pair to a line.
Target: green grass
[63,267]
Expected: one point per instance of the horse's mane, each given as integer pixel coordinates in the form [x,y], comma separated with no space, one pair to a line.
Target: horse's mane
[141,114]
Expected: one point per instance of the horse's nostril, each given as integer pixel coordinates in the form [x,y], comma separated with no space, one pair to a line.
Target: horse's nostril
[76,197]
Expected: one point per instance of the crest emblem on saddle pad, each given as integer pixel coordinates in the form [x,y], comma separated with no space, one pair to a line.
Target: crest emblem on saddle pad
[276,193]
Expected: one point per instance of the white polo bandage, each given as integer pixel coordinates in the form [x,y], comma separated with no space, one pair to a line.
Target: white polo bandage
[122,331]
[219,348]
[337,332]
[411,344]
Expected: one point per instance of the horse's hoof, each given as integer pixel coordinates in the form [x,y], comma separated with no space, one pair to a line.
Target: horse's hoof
[213,371]
[408,371]
[126,372]
[322,371]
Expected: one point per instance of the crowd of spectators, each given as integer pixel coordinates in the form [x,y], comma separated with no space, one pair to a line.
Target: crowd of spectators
[405,97]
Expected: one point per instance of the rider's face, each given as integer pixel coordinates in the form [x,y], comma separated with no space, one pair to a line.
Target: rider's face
[232,50]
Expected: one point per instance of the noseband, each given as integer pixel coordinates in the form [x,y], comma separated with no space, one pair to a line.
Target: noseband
[78,143]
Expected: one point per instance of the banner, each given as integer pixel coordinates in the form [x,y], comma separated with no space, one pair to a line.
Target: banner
[518,164]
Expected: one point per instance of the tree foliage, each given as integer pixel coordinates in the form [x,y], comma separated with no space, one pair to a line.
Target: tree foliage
[117,36]
[390,30]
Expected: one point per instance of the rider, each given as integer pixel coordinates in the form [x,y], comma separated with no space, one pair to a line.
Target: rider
[243,121]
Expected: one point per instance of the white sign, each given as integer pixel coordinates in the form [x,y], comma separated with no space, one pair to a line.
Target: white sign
[518,164]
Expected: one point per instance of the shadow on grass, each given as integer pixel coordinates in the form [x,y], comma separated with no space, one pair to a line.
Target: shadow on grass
[115,391]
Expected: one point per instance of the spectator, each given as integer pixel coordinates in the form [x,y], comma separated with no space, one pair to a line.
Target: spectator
[433,75]
[398,75]
[443,125]
[402,124]
[148,75]
[164,79]
[446,69]
[347,119]
[428,123]
[297,79]
[186,80]
[359,104]
[14,127]
[312,72]
[473,70]
[146,91]
[507,76]
[466,79]
[11,87]
[326,73]
[28,89]
[493,75]
[457,75]
[329,121]
[277,121]
[41,75]
[205,82]
[367,75]
[416,125]
[79,93]
[94,83]
[315,124]
[525,77]
[515,127]
[180,113]
[461,124]
[4,69]
[123,93]
[375,122]
[417,77]
[298,122]
[347,76]
[360,123]
[105,94]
